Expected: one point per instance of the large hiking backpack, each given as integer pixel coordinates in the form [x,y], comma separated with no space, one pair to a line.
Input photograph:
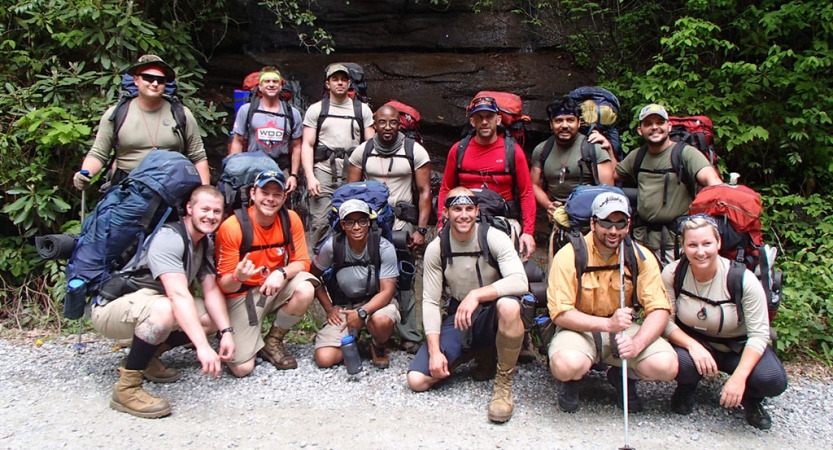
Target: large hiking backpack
[599,111]
[409,119]
[125,221]
[129,92]
[512,119]
[737,210]
[580,203]
[373,193]
[251,94]
[513,206]
[236,180]
[696,131]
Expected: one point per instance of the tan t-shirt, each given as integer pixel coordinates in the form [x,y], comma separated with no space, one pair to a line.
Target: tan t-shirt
[569,156]
[338,132]
[393,171]
[651,186]
[755,323]
[141,132]
[461,275]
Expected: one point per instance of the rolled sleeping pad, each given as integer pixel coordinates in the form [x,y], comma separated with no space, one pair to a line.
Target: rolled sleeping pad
[533,273]
[539,290]
[401,239]
[55,246]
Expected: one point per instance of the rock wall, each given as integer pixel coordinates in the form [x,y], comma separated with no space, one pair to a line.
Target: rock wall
[434,59]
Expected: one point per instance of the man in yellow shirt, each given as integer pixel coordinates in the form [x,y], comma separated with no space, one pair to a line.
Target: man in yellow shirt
[587,310]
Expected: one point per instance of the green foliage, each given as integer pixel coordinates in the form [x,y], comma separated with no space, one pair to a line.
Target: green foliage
[803,227]
[299,15]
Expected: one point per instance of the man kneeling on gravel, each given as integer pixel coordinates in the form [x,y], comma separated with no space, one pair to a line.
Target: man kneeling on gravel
[163,313]
[361,288]
[485,310]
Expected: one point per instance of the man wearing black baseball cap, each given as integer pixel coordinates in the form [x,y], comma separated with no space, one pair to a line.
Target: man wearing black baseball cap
[129,130]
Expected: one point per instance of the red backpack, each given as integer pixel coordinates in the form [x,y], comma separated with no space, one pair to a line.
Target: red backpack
[696,131]
[409,120]
[511,113]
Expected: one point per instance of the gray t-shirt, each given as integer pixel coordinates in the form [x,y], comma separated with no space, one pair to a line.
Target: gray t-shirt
[268,131]
[166,254]
[352,280]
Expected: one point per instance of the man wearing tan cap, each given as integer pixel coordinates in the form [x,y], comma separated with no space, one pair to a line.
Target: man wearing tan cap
[153,121]
[333,127]
[663,196]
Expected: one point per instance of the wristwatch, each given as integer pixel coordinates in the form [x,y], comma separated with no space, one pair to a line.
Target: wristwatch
[422,230]
[362,314]
[283,272]
[226,330]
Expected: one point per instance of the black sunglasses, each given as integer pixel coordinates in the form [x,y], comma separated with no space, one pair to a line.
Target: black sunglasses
[482,100]
[161,79]
[620,225]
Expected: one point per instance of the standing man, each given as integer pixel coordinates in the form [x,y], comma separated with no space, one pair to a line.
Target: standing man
[151,121]
[271,277]
[489,314]
[333,127]
[662,196]
[163,313]
[588,315]
[273,127]
[568,158]
[404,167]
[362,286]
[484,165]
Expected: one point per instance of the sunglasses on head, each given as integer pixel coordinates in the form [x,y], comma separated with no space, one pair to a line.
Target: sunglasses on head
[151,78]
[482,101]
[620,225]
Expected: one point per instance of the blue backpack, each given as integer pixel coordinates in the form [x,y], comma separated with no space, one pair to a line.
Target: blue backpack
[580,201]
[373,193]
[599,111]
[125,221]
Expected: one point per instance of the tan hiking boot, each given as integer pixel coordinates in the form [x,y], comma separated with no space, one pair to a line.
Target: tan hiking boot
[129,396]
[274,351]
[157,372]
[379,354]
[486,367]
[502,404]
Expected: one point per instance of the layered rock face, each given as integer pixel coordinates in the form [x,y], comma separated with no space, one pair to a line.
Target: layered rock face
[432,58]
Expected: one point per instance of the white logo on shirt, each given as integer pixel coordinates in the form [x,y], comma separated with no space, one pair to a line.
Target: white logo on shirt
[270,136]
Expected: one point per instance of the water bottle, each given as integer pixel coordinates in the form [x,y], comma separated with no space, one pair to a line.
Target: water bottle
[351,355]
[75,299]
[528,311]
[546,330]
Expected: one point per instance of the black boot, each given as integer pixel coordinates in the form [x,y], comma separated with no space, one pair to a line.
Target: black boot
[756,415]
[614,377]
[682,402]
[568,396]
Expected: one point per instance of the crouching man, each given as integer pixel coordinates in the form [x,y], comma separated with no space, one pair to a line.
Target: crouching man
[163,313]
[586,308]
[485,312]
[268,274]
[361,287]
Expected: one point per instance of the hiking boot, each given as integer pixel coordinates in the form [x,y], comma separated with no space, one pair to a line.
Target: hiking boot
[756,415]
[155,371]
[274,351]
[129,396]
[409,347]
[502,404]
[486,367]
[568,396]
[379,354]
[528,351]
[682,401]
[614,377]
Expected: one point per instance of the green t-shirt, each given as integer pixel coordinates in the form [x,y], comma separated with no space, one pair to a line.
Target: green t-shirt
[569,157]
[652,186]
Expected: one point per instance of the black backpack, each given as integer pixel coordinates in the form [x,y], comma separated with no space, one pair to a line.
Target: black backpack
[734,284]
[580,249]
[513,209]
[340,244]
[588,160]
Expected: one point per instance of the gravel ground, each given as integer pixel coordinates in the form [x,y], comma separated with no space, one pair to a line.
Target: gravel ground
[55,398]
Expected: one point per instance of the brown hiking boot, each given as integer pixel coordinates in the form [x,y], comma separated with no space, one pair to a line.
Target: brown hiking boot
[379,354]
[502,404]
[528,350]
[486,367]
[129,396]
[274,351]
[157,372]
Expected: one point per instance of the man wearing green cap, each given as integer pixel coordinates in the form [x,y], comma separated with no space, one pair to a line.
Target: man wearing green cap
[153,121]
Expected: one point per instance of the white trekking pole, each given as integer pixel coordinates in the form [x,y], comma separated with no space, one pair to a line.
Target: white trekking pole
[624,360]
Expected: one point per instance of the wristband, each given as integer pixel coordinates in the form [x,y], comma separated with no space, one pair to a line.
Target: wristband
[226,330]
[235,278]
[293,175]
[283,272]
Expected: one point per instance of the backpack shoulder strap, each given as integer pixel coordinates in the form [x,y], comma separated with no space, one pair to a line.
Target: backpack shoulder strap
[461,151]
[358,116]
[445,248]
[322,115]
[374,244]
[633,265]
[679,168]
[637,164]
[178,111]
[588,158]
[368,151]
[409,155]
[549,144]
[339,242]
[580,251]
[286,226]
[119,115]
[734,284]
[679,275]
[246,230]
[289,117]
[254,105]
[509,159]
[483,242]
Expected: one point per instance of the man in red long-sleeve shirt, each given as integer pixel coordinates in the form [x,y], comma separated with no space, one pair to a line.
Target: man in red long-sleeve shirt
[484,166]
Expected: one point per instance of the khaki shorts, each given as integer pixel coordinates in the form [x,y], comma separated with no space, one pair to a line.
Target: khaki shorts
[583,342]
[118,319]
[247,338]
[330,336]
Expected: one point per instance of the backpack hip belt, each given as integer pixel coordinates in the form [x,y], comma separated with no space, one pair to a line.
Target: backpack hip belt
[323,153]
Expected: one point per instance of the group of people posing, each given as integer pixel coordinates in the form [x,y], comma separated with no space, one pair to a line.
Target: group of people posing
[663,334]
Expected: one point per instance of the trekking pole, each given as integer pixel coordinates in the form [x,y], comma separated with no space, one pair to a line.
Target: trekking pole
[78,344]
[624,360]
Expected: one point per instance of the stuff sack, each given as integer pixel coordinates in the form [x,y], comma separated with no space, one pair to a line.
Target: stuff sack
[124,222]
[599,111]
[580,202]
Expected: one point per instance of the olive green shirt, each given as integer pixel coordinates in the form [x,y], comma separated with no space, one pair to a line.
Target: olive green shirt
[569,157]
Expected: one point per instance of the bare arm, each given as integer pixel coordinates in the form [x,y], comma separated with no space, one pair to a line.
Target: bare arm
[307,156]
[215,304]
[369,132]
[204,171]
[708,176]
[354,174]
[295,165]
[541,196]
[236,144]
[92,165]
[606,171]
